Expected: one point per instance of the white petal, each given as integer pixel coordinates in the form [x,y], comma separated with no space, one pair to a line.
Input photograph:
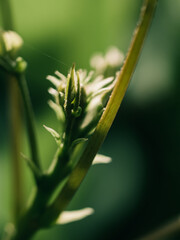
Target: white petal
[89,77]
[57,109]
[93,112]
[95,86]
[82,74]
[100,159]
[98,62]
[114,57]
[98,78]
[56,82]
[103,90]
[12,40]
[61,76]
[53,92]
[72,216]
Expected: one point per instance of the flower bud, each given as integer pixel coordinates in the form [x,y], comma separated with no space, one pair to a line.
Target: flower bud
[20,65]
[10,43]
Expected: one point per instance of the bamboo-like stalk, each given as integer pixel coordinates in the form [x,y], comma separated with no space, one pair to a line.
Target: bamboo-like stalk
[14,119]
[20,78]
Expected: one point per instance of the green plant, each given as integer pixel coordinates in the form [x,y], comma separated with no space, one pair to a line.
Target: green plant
[85,119]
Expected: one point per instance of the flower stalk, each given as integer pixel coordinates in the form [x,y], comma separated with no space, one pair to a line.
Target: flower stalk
[14,119]
[29,117]
[79,102]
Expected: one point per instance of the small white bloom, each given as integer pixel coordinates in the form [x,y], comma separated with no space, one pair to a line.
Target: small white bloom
[97,61]
[114,57]
[11,42]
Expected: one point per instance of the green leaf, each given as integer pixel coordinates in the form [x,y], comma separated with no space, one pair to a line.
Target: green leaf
[101,159]
[70,90]
[53,133]
[78,94]
[72,216]
[35,170]
[78,141]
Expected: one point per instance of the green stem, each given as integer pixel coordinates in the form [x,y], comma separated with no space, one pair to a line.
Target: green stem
[78,174]
[31,221]
[15,119]
[29,118]
[6,11]
[165,231]
[15,132]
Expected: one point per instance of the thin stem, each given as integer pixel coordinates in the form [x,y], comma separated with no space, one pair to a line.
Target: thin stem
[15,133]
[31,221]
[7,16]
[15,119]
[165,231]
[29,118]
[109,114]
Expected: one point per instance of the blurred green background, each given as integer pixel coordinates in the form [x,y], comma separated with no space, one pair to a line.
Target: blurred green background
[140,189]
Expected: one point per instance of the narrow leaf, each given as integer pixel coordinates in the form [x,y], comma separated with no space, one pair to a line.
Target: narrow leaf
[36,171]
[70,90]
[78,93]
[53,133]
[72,216]
[78,141]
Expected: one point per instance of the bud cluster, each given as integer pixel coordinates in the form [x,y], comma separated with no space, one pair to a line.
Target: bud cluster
[78,101]
[10,44]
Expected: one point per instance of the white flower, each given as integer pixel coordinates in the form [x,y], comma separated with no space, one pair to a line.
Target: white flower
[10,43]
[113,59]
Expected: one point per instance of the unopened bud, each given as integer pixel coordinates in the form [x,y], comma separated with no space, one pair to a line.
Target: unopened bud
[10,43]
[21,65]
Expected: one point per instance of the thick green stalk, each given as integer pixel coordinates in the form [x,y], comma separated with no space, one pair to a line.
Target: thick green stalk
[31,221]
[15,136]
[109,114]
[14,118]
[29,118]
[7,18]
